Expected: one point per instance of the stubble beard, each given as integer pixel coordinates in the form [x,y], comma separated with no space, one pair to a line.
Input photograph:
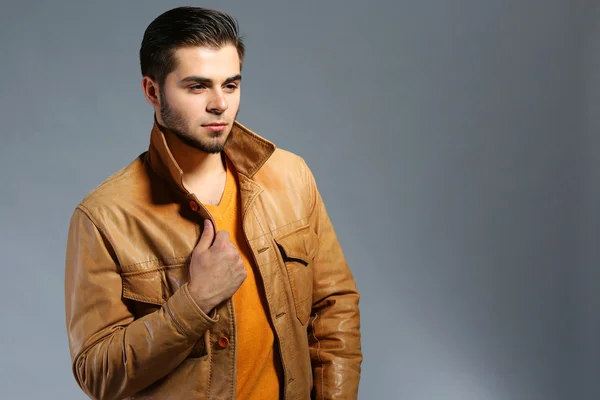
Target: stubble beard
[178,124]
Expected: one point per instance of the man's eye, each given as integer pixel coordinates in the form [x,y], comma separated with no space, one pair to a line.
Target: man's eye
[197,87]
[231,87]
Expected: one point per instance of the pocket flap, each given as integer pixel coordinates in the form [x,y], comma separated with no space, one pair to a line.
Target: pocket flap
[299,244]
[144,286]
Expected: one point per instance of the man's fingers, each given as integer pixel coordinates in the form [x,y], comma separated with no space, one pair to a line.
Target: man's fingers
[206,239]
[222,238]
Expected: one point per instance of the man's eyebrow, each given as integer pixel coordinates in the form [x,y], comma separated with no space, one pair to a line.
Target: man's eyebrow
[237,77]
[204,81]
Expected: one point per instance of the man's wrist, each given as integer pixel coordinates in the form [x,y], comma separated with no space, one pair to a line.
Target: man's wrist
[187,315]
[202,303]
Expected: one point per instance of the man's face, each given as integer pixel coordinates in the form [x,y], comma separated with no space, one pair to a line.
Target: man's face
[199,100]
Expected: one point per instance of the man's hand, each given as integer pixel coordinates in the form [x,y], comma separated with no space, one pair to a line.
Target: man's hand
[217,271]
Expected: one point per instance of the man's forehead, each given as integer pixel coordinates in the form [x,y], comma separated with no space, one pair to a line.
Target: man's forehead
[210,62]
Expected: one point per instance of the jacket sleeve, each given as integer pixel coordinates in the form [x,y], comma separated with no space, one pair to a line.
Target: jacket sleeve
[334,326]
[114,355]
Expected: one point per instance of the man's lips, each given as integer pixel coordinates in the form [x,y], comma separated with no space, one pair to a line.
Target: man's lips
[215,126]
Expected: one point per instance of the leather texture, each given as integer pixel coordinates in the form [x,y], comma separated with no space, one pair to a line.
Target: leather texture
[134,330]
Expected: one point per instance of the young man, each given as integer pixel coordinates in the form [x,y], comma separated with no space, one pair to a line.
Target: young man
[208,267]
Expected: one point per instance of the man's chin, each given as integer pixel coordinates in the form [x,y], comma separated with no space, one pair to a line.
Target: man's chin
[213,145]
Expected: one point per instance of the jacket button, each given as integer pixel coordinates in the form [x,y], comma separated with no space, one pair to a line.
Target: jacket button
[223,342]
[193,205]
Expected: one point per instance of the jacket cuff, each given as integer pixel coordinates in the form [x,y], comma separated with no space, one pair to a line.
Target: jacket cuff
[187,315]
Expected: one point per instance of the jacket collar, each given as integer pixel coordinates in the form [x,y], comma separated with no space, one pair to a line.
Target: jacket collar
[246,150]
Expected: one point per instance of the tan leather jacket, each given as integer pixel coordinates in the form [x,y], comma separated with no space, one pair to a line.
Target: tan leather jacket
[135,332]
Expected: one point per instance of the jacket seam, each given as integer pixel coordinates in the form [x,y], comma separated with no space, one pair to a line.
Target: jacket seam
[88,213]
[142,298]
[209,351]
[310,182]
[267,291]
[151,271]
[155,259]
[183,330]
[273,232]
[233,352]
[319,354]
[104,234]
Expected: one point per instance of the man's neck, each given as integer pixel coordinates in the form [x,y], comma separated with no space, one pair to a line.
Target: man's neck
[200,169]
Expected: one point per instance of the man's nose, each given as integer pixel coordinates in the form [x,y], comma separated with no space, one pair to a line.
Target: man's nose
[218,102]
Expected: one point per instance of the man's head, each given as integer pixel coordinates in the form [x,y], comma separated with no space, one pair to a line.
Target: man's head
[191,60]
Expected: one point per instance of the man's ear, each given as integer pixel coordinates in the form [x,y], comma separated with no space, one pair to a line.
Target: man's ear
[151,92]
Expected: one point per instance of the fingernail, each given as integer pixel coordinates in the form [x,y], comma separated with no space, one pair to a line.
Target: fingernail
[206,223]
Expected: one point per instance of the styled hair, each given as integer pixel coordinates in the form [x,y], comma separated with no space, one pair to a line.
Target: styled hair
[185,27]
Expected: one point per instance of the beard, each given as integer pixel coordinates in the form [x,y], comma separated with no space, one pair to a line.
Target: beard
[178,124]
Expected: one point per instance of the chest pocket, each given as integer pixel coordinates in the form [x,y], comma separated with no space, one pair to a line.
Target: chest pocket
[147,291]
[297,249]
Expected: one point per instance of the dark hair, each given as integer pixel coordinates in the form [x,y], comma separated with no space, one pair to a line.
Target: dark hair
[185,27]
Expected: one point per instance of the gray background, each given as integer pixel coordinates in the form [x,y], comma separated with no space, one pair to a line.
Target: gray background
[455,144]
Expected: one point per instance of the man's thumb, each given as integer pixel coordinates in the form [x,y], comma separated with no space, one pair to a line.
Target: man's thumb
[207,237]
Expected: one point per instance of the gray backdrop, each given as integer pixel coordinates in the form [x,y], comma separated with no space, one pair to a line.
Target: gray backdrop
[455,144]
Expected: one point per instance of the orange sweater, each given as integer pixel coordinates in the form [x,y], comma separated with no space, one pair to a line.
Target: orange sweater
[257,362]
